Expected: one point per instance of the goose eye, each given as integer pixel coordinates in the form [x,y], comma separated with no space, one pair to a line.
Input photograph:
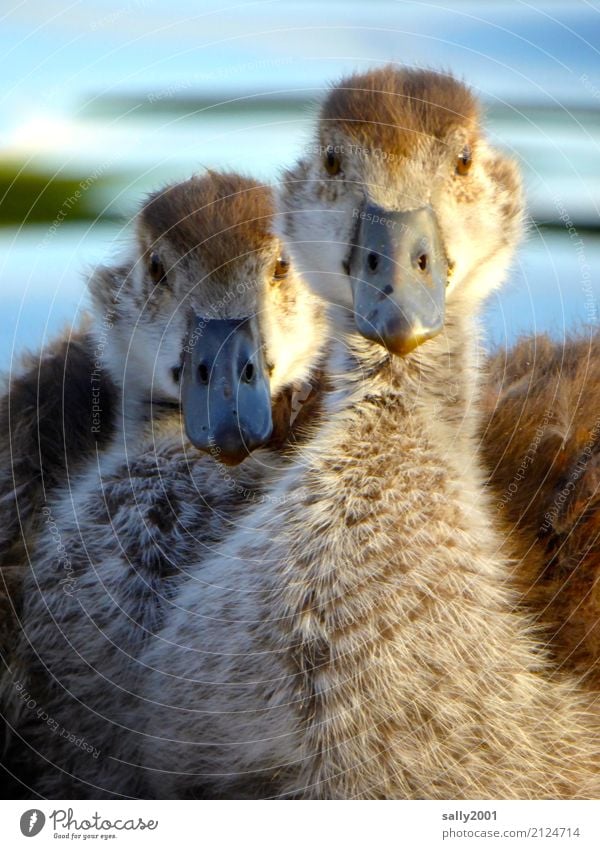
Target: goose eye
[282,266]
[157,271]
[463,163]
[333,165]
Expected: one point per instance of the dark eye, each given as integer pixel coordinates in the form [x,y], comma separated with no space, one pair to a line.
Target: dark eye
[333,165]
[282,266]
[157,271]
[463,163]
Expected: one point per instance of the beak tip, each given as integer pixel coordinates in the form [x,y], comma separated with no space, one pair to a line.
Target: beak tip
[232,459]
[404,344]
[396,335]
[401,347]
[231,445]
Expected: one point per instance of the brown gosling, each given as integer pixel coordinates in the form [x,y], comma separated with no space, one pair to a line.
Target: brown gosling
[360,639]
[540,438]
[210,292]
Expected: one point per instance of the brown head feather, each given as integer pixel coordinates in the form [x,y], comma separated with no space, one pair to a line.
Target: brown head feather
[194,215]
[410,104]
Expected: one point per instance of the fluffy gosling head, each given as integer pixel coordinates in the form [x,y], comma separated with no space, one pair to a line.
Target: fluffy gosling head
[208,311]
[401,204]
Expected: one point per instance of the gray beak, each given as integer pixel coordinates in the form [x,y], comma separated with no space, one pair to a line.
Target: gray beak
[399,274]
[225,391]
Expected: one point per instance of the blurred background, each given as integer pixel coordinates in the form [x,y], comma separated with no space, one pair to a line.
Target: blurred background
[104,100]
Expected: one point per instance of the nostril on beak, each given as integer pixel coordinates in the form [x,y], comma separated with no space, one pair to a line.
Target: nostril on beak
[203,374]
[248,373]
[423,262]
[372,261]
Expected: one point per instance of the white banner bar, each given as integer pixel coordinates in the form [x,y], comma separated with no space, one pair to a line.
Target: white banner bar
[302,825]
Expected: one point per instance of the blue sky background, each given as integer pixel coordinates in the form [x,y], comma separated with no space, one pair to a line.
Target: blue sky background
[129,94]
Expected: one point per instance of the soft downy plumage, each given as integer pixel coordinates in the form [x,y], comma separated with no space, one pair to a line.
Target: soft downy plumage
[116,540]
[360,639]
[540,431]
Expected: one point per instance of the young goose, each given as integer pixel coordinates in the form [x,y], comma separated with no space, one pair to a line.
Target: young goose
[65,404]
[48,430]
[48,389]
[540,435]
[216,286]
[372,649]
[85,392]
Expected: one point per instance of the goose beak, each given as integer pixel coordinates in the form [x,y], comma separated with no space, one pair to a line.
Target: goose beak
[225,393]
[399,273]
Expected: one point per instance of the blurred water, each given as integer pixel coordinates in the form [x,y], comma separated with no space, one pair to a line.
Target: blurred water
[125,95]
[44,288]
[548,288]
